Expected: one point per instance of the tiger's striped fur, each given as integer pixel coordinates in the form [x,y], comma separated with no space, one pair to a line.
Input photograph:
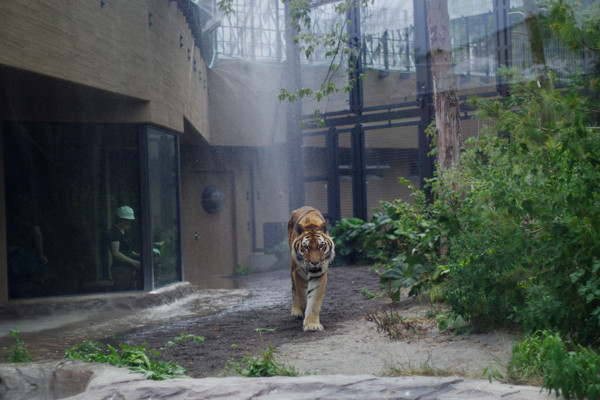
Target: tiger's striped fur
[311,252]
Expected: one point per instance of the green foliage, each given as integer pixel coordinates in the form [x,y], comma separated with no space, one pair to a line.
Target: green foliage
[576,24]
[396,227]
[402,239]
[401,272]
[226,7]
[240,270]
[450,321]
[183,337]
[367,294]
[349,236]
[335,44]
[570,370]
[525,247]
[18,352]
[252,366]
[135,358]
[527,364]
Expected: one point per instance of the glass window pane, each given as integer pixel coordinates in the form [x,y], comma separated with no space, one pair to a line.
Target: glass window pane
[162,175]
[63,185]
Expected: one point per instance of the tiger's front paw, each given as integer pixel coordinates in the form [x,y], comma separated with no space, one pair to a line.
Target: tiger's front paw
[297,312]
[312,326]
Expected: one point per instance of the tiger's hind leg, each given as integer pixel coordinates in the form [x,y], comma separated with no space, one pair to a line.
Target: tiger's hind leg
[314,294]
[298,296]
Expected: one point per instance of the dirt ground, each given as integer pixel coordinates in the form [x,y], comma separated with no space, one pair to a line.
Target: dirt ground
[348,345]
[232,334]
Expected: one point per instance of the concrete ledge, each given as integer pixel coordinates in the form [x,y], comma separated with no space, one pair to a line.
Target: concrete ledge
[42,307]
[76,380]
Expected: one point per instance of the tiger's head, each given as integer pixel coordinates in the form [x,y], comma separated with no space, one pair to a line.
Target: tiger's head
[312,248]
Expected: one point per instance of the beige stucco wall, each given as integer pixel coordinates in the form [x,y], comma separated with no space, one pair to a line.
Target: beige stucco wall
[126,50]
[247,176]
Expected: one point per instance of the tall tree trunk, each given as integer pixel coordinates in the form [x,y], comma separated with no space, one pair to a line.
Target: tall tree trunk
[447,111]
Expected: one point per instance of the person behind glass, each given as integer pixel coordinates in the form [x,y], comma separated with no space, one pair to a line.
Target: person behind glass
[126,267]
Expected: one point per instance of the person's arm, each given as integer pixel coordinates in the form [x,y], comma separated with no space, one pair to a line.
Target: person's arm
[114,249]
[39,244]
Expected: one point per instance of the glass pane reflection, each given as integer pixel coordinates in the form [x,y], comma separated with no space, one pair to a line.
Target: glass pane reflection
[162,173]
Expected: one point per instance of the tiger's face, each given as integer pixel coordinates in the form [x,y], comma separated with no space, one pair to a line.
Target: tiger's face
[312,247]
[313,251]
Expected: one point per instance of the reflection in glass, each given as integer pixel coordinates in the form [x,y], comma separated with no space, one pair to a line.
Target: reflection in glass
[162,173]
[63,186]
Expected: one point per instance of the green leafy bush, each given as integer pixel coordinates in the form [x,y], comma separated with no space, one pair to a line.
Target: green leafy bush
[527,244]
[402,240]
[570,370]
[349,237]
[524,245]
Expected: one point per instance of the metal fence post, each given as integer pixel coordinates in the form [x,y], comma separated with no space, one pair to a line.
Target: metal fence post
[424,91]
[359,177]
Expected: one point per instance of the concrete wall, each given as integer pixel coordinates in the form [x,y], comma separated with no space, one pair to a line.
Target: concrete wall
[244,109]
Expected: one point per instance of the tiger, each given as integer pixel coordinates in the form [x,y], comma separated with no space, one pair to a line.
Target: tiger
[311,252]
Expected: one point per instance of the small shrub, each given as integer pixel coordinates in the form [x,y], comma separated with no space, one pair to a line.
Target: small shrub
[17,352]
[527,364]
[568,369]
[450,321]
[240,270]
[402,239]
[252,366]
[134,358]
[390,322]
[399,273]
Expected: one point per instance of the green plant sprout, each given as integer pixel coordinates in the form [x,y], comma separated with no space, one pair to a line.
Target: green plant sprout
[18,353]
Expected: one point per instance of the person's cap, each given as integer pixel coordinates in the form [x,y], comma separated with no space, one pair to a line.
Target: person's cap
[125,212]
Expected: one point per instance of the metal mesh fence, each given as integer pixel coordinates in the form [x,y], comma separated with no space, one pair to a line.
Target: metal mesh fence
[391,153]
